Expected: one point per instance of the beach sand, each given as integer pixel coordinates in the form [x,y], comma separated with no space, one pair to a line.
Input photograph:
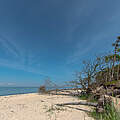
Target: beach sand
[41,107]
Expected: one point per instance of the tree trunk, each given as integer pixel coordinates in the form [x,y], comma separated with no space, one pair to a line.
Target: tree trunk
[118,72]
[114,60]
[79,103]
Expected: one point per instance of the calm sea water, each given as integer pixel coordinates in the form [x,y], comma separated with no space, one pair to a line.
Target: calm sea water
[4,91]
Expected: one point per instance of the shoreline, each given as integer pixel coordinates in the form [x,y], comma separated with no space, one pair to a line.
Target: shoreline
[59,90]
[18,94]
[6,91]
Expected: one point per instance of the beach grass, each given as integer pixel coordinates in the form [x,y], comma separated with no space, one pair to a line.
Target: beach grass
[110,113]
[87,97]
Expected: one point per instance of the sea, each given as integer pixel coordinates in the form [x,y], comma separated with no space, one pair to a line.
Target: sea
[5,91]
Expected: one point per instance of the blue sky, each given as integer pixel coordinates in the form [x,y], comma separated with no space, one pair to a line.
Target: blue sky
[41,38]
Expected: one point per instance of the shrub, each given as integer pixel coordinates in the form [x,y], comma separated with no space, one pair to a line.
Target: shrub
[42,89]
[110,113]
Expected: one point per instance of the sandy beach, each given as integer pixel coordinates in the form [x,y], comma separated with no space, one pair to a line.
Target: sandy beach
[41,107]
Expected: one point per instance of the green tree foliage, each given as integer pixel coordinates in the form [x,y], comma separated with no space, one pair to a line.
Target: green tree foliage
[102,69]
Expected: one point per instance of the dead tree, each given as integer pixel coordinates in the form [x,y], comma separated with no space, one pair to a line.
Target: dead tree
[79,103]
[103,100]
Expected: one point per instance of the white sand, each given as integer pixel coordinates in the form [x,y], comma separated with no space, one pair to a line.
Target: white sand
[40,107]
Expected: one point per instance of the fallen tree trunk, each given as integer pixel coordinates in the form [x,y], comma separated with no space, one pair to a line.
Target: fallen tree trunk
[79,103]
[69,94]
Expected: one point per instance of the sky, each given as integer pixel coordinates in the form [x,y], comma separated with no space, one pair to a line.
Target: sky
[51,38]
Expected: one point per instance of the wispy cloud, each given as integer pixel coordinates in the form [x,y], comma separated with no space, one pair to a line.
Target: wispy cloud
[81,49]
[78,53]
[25,60]
[89,24]
[7,84]
[18,66]
[9,46]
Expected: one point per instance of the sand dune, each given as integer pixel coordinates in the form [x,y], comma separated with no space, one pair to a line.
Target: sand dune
[40,107]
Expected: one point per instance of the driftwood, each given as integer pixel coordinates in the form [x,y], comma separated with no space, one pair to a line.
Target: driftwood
[65,94]
[102,101]
[99,94]
[79,103]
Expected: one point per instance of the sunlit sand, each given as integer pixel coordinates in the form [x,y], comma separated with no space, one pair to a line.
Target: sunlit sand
[41,107]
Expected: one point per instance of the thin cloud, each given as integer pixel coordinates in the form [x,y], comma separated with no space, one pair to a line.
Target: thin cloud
[7,84]
[18,66]
[85,49]
[9,46]
[77,55]
[25,58]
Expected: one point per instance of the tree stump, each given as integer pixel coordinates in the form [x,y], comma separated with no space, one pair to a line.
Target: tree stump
[102,101]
